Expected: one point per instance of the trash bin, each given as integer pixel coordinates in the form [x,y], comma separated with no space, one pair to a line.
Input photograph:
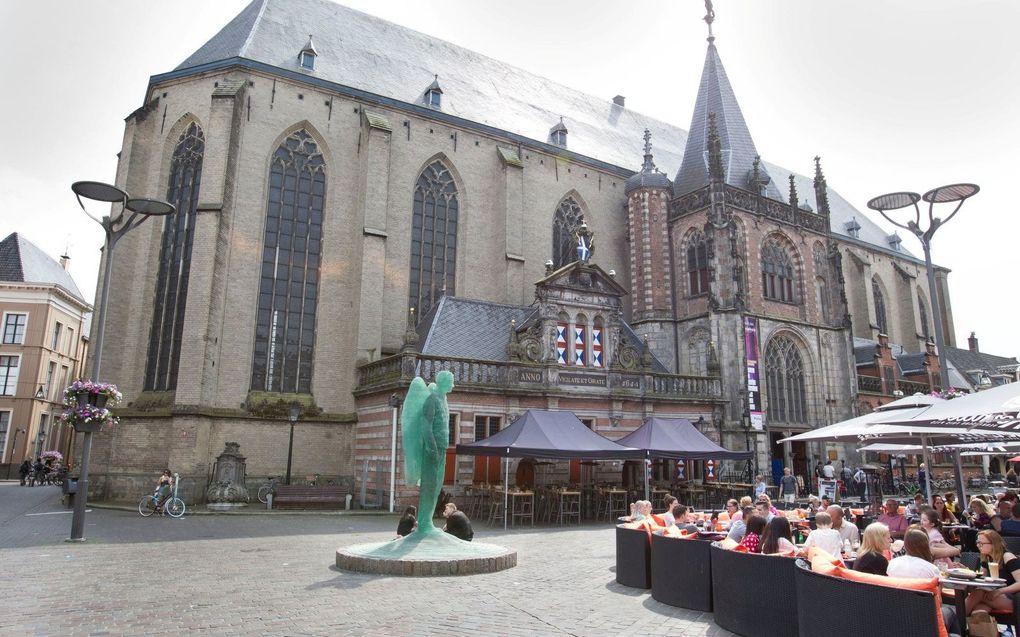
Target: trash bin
[70,487]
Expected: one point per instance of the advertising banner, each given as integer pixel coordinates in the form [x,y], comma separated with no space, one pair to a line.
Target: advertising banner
[753,369]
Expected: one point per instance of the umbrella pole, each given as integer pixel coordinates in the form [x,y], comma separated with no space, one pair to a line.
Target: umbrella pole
[959,478]
[645,468]
[506,488]
[927,468]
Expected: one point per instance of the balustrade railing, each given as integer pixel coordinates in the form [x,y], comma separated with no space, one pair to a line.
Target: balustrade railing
[909,387]
[869,384]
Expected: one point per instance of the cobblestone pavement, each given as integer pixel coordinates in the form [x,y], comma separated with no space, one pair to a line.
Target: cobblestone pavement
[274,574]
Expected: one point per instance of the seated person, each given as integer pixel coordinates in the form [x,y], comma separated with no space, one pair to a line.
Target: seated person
[813,505]
[777,537]
[917,505]
[826,502]
[457,524]
[873,556]
[739,527]
[684,518]
[732,509]
[941,551]
[642,510]
[162,492]
[993,551]
[761,509]
[669,501]
[1004,511]
[895,523]
[824,537]
[752,537]
[846,530]
[917,563]
[407,521]
[981,513]
[1011,526]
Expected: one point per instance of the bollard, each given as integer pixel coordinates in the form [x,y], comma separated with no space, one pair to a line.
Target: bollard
[349,498]
[269,501]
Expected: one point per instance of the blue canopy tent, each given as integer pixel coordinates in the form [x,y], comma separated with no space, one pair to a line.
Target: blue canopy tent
[678,439]
[546,434]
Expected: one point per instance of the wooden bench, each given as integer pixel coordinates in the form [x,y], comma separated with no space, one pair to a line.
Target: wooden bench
[309,497]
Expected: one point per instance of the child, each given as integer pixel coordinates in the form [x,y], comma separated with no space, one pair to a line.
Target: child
[824,537]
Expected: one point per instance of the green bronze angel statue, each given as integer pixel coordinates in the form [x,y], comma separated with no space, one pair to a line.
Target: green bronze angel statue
[425,427]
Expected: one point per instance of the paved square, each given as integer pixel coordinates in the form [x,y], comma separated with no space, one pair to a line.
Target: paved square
[274,574]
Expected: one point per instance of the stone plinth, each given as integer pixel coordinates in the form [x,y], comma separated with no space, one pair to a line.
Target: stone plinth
[424,555]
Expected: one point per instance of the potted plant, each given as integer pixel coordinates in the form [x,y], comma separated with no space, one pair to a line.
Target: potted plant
[86,402]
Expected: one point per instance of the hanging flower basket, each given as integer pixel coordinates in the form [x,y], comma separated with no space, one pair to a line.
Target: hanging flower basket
[86,402]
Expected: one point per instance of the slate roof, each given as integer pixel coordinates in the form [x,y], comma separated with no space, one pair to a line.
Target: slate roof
[967,360]
[715,95]
[22,261]
[385,59]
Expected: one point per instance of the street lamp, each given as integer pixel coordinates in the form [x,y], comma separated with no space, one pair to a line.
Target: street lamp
[40,394]
[295,413]
[394,404]
[115,226]
[955,193]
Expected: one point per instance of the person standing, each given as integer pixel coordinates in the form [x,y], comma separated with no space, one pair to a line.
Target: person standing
[788,487]
[760,487]
[922,483]
[24,470]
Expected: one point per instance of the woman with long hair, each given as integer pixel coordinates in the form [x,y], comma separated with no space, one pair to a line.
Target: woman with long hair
[982,512]
[407,521]
[777,537]
[752,537]
[918,561]
[945,515]
[873,556]
[940,549]
[993,551]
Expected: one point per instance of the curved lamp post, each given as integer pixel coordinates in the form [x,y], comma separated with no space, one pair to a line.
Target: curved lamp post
[133,212]
[953,193]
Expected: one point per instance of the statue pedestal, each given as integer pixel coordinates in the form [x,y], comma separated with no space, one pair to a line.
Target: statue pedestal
[424,555]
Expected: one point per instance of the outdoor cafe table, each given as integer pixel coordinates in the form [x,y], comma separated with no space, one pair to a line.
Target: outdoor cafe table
[963,587]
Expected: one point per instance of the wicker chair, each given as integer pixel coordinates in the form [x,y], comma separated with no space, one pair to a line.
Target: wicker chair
[864,609]
[633,558]
[755,595]
[682,572]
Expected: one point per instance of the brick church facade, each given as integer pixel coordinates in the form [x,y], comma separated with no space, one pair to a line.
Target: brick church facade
[328,185]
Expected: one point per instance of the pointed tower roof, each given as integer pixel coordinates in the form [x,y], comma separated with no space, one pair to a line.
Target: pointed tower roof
[715,95]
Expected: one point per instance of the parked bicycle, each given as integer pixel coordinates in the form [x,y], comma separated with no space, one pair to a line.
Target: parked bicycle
[171,505]
[267,488]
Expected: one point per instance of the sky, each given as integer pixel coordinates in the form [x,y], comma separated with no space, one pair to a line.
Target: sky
[893,94]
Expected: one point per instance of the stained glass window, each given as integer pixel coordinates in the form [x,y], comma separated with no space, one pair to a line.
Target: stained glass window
[289,284]
[171,294]
[784,382]
[566,221]
[433,238]
[776,272]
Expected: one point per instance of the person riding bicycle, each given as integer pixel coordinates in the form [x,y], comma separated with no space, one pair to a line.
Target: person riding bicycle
[162,492]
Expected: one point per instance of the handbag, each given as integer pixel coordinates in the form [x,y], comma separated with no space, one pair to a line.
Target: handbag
[981,624]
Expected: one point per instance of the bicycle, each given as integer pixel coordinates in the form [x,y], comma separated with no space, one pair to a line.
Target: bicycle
[172,505]
[267,488]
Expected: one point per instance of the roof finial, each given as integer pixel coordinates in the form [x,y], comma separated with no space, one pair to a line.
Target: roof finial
[821,188]
[649,165]
[709,19]
[794,200]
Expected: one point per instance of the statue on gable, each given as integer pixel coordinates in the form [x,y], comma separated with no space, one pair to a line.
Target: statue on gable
[585,242]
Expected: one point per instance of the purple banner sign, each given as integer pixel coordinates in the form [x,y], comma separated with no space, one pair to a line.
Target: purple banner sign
[753,389]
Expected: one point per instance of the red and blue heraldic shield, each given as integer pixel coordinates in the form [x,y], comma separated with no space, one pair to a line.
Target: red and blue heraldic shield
[579,346]
[596,347]
[561,343]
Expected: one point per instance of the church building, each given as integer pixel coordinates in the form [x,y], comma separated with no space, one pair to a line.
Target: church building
[359,203]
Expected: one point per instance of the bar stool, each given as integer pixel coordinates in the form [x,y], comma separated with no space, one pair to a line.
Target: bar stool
[570,507]
[496,509]
[523,509]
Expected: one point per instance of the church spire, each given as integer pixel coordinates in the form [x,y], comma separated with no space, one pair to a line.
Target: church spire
[821,188]
[794,200]
[737,150]
[649,165]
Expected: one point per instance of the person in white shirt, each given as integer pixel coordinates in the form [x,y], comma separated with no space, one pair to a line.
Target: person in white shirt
[828,470]
[824,537]
[918,560]
[846,530]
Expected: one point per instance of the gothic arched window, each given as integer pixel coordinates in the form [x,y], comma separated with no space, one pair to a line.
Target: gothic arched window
[171,295]
[433,238]
[923,311]
[697,264]
[289,286]
[566,221]
[776,272]
[880,318]
[784,382]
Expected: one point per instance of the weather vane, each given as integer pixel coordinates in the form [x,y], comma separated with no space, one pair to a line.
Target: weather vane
[709,18]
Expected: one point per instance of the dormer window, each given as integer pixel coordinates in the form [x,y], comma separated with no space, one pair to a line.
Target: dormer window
[894,241]
[307,56]
[558,135]
[434,95]
[853,228]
